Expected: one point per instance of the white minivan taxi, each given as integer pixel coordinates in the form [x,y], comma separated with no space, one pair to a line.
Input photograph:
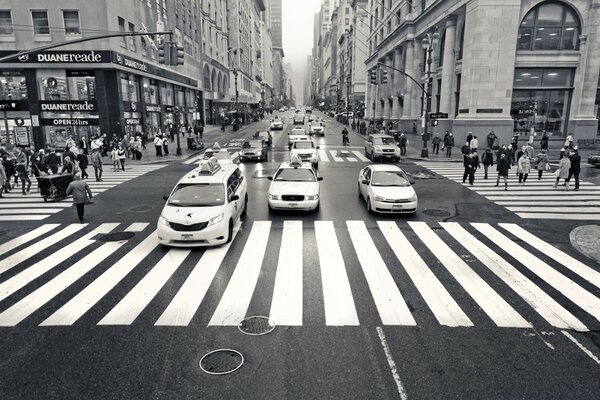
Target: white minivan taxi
[204,206]
[295,186]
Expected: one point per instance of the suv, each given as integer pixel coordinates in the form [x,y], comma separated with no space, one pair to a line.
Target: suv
[381,146]
[255,149]
[204,206]
[305,150]
[299,119]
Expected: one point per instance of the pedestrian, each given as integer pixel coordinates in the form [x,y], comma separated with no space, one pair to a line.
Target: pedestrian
[491,139]
[402,143]
[469,138]
[165,145]
[544,141]
[70,143]
[83,145]
[82,194]
[3,178]
[502,168]
[82,160]
[523,167]
[575,169]
[130,146]
[345,139]
[68,166]
[542,163]
[487,159]
[158,145]
[528,148]
[114,156]
[137,148]
[121,156]
[104,147]
[10,171]
[97,163]
[436,144]
[448,143]
[569,141]
[465,152]
[199,130]
[474,145]
[563,171]
[473,162]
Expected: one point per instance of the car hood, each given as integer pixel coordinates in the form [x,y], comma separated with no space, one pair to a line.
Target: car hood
[276,123]
[393,192]
[386,146]
[304,188]
[304,151]
[181,215]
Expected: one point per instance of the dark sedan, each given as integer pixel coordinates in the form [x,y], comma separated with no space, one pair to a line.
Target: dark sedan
[594,160]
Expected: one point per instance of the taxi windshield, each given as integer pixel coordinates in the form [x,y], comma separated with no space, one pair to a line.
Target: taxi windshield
[198,195]
[390,178]
[383,140]
[294,175]
[301,144]
[222,155]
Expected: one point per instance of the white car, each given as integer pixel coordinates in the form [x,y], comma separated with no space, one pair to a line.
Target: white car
[317,130]
[204,206]
[295,186]
[380,146]
[305,150]
[221,155]
[295,134]
[387,189]
[276,125]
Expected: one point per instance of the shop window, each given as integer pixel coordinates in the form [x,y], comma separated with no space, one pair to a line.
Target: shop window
[71,20]
[122,40]
[12,86]
[129,87]
[40,23]
[150,91]
[442,49]
[81,85]
[549,26]
[6,25]
[543,77]
[166,93]
[52,84]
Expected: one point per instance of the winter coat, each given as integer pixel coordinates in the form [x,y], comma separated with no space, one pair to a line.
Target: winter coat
[52,160]
[436,140]
[540,161]
[563,167]
[3,177]
[80,191]
[96,160]
[529,151]
[503,166]
[82,160]
[473,162]
[449,141]
[158,141]
[523,165]
[544,142]
[121,154]
[487,158]
[575,163]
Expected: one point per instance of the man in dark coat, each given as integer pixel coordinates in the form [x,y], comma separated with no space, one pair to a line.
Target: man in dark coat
[544,141]
[448,143]
[473,164]
[465,152]
[469,138]
[82,160]
[52,161]
[575,169]
[503,167]
[487,159]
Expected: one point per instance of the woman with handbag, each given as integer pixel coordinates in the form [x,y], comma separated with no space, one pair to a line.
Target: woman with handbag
[563,171]
[542,164]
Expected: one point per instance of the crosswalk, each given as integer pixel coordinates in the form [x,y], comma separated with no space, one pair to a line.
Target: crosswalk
[457,275]
[15,206]
[328,156]
[536,199]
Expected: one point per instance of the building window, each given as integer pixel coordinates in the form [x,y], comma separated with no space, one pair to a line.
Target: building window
[71,20]
[438,95]
[6,25]
[122,40]
[549,26]
[12,85]
[347,21]
[132,38]
[423,5]
[389,26]
[442,49]
[144,46]
[398,17]
[40,23]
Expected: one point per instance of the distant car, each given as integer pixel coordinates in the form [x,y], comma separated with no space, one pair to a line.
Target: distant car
[295,134]
[299,119]
[381,146]
[308,110]
[594,160]
[294,186]
[221,155]
[292,108]
[281,109]
[264,135]
[305,150]
[311,118]
[254,150]
[387,189]
[276,125]
[317,130]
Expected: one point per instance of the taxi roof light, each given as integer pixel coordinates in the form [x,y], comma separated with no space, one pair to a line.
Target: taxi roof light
[295,161]
[209,167]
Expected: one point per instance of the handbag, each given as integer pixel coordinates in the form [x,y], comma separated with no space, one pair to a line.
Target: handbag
[547,167]
[556,173]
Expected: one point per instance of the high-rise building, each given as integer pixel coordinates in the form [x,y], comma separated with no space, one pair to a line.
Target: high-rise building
[278,54]
[276,18]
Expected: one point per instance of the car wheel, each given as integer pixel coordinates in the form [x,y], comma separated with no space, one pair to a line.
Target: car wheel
[230,232]
[358,189]
[369,209]
[245,210]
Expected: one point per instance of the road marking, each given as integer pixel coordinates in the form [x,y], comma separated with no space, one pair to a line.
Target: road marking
[286,305]
[27,211]
[35,248]
[441,303]
[237,296]
[539,300]
[568,209]
[132,305]
[512,196]
[36,205]
[578,217]
[550,192]
[23,217]
[24,277]
[533,188]
[335,157]
[184,305]
[323,156]
[549,203]
[74,309]
[391,306]
[337,295]
[578,295]
[360,156]
[392,364]
[29,236]
[582,347]
[494,306]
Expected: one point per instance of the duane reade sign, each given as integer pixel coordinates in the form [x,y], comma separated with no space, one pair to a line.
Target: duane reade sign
[85,57]
[65,106]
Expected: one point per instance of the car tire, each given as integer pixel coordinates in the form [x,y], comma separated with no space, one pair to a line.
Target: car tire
[230,232]
[358,190]
[245,210]
[369,209]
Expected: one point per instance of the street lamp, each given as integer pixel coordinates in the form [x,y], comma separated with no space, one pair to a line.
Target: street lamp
[430,40]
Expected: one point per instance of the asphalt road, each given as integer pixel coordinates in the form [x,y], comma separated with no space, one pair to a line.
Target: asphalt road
[441,324]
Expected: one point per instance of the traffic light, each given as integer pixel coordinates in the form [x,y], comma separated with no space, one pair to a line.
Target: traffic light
[384,79]
[164,54]
[374,77]
[177,56]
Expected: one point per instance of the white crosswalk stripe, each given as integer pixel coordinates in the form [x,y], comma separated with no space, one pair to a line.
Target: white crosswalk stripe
[16,206]
[536,199]
[61,259]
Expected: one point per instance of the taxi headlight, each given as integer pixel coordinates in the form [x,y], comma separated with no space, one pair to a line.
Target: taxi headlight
[378,198]
[413,198]
[312,197]
[274,197]
[377,148]
[215,220]
[163,220]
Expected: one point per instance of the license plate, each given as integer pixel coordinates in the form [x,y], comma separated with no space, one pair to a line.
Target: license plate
[396,208]
[187,237]
[293,204]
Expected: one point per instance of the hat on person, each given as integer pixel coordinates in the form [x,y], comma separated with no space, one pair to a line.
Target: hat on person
[575,148]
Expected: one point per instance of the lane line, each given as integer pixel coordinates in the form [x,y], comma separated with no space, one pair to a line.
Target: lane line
[568,209]
[323,156]
[392,364]
[22,217]
[574,217]
[360,156]
[337,294]
[582,347]
[27,237]
[335,157]
[48,206]
[548,203]
[28,211]
[237,296]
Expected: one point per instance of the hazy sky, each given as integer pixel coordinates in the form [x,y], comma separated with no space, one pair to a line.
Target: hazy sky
[297,29]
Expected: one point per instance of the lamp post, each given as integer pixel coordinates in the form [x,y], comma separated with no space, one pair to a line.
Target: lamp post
[428,42]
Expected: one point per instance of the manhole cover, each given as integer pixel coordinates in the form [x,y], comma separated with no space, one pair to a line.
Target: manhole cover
[221,362]
[116,236]
[140,208]
[263,173]
[436,213]
[256,325]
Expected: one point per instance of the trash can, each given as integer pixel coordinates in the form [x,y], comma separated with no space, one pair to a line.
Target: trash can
[190,142]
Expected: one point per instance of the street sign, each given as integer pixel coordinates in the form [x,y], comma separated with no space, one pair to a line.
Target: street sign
[438,115]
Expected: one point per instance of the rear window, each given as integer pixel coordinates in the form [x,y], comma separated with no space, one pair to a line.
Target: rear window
[303,145]
[295,175]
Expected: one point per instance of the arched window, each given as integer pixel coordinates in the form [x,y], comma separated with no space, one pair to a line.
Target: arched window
[549,26]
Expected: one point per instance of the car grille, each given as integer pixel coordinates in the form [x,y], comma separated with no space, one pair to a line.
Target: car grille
[292,197]
[396,201]
[304,155]
[188,228]
[248,154]
[388,150]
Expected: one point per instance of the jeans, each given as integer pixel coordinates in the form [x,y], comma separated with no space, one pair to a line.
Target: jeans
[98,173]
[158,151]
[122,164]
[540,172]
[485,169]
[402,149]
[449,151]
[25,178]
[436,149]
[84,173]
[576,175]
[466,173]
[522,177]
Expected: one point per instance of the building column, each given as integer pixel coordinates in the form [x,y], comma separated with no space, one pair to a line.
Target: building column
[448,67]
[397,84]
[389,60]
[409,68]
[368,96]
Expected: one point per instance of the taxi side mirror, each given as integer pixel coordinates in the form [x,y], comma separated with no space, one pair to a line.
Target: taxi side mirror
[365,181]
[317,147]
[234,197]
[319,178]
[270,178]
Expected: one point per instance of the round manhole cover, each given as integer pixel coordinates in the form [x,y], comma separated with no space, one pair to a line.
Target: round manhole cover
[140,208]
[221,362]
[116,236]
[256,325]
[436,213]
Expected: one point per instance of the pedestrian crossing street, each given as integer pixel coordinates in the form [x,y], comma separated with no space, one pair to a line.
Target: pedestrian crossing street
[453,274]
[18,207]
[536,199]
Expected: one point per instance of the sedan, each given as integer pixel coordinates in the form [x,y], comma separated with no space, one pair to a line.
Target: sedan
[387,189]
[594,160]
[254,150]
